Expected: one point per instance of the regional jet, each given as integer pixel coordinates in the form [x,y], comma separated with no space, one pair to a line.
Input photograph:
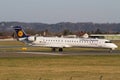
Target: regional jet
[62,42]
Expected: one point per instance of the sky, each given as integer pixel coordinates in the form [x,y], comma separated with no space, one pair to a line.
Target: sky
[55,11]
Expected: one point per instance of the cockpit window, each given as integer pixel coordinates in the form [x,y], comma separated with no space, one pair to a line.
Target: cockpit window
[108,42]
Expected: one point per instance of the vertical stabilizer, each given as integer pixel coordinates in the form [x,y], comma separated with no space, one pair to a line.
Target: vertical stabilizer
[21,35]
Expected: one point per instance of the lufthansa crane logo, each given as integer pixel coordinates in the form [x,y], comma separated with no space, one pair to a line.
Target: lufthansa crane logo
[20,33]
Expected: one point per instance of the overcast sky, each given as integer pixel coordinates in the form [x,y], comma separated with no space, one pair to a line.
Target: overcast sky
[54,11]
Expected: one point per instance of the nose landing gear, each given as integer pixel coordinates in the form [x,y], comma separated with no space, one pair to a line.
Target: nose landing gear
[111,50]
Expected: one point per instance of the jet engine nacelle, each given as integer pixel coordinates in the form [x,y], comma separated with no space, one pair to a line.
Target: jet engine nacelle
[32,38]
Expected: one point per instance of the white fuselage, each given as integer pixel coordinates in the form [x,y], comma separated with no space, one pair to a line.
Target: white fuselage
[61,42]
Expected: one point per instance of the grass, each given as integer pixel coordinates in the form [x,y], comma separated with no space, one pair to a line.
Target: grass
[60,68]
[11,43]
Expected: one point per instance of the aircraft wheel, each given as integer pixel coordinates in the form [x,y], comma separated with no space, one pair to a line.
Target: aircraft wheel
[60,49]
[110,51]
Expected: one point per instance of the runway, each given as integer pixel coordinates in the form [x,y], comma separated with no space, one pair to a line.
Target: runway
[37,54]
[75,53]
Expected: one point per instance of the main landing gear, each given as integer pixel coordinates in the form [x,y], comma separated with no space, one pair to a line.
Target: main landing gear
[59,49]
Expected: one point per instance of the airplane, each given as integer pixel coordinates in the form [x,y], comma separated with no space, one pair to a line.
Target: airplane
[62,42]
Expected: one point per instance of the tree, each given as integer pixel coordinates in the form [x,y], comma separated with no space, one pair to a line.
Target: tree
[66,32]
[1,34]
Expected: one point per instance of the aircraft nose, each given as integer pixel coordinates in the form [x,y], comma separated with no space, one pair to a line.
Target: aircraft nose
[115,46]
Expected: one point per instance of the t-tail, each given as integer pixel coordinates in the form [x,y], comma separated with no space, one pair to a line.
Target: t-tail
[20,34]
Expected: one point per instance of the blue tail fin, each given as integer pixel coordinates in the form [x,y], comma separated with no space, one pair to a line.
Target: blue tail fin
[19,32]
